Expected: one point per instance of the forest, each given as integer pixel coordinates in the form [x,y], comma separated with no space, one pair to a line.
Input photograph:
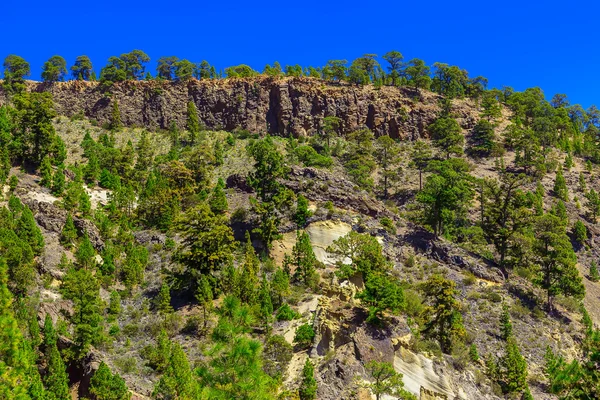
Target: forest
[184,262]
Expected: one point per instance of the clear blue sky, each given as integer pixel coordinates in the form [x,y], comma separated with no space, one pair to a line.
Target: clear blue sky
[550,44]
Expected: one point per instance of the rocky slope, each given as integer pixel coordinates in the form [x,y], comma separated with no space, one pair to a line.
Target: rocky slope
[283,106]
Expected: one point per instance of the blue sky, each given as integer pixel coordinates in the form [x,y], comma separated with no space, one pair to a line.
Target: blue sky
[514,43]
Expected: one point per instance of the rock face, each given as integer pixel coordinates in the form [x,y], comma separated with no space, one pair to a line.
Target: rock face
[278,106]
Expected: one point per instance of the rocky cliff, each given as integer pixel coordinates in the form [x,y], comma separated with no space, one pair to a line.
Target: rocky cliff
[282,106]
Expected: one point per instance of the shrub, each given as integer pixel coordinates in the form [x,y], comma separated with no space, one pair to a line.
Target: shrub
[285,313]
[310,158]
[304,336]
[388,224]
[469,279]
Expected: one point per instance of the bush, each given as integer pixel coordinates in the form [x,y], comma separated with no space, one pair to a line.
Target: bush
[388,224]
[310,157]
[304,336]
[285,313]
[469,279]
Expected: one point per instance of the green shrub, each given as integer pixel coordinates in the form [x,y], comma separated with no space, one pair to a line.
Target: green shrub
[388,224]
[311,158]
[304,336]
[285,313]
[469,279]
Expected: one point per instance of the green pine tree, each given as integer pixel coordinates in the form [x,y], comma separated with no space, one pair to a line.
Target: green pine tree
[512,369]
[505,324]
[218,200]
[247,278]
[105,385]
[55,378]
[85,254]
[177,382]
[163,300]
[28,231]
[304,259]
[68,235]
[560,186]
[193,122]
[204,295]
[308,386]
[46,172]
[302,212]
[473,353]
[115,119]
[266,305]
[58,182]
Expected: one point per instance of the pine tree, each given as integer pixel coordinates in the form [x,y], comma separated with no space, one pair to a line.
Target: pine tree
[145,153]
[85,254]
[580,232]
[308,386]
[114,305]
[473,353]
[269,166]
[512,369]
[46,172]
[177,381]
[444,320]
[85,205]
[447,135]
[568,162]
[193,122]
[582,183]
[28,231]
[302,212]
[92,168]
[58,182]
[593,203]
[105,385]
[115,118]
[280,286]
[14,361]
[505,324]
[266,304]
[218,200]
[385,380]
[204,295]
[304,259]
[82,287]
[50,336]
[560,186]
[64,263]
[163,300]
[55,378]
[387,155]
[248,275]
[555,259]
[69,233]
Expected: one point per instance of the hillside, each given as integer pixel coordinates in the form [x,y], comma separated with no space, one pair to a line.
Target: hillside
[223,251]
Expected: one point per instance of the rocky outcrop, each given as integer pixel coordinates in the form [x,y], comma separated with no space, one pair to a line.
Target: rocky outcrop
[52,218]
[278,106]
[321,186]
